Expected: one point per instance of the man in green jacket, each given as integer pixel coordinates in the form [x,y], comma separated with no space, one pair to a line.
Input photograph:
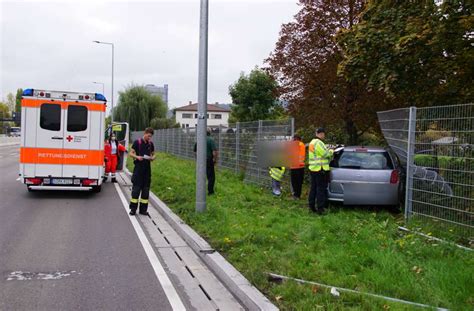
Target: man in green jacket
[211,161]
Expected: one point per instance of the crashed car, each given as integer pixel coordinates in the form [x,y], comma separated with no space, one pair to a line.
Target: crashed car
[365,176]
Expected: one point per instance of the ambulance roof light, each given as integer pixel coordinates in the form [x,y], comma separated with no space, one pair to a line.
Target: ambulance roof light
[99,96]
[28,92]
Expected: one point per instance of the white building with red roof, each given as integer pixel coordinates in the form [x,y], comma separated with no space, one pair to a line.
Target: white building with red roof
[217,115]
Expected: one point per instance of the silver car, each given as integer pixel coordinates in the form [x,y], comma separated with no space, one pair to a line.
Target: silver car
[365,176]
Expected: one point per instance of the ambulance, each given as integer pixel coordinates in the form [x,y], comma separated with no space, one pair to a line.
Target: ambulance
[62,140]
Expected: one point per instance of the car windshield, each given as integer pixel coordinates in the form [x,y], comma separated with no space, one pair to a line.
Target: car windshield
[365,160]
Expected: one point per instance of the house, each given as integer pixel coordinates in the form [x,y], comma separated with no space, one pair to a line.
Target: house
[217,115]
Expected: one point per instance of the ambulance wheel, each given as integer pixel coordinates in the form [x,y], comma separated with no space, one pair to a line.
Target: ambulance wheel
[96,189]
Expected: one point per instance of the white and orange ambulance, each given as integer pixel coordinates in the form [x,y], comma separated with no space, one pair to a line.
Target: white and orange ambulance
[62,140]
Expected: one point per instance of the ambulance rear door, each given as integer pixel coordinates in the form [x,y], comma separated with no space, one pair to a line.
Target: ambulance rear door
[49,139]
[76,143]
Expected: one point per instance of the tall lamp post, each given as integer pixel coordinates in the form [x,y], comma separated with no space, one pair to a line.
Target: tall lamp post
[202,109]
[103,89]
[112,96]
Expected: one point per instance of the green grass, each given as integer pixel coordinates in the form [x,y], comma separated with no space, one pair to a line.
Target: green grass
[356,248]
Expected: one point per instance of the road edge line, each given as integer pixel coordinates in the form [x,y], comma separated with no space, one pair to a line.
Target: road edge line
[165,282]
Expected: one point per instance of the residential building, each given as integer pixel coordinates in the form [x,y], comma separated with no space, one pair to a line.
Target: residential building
[217,115]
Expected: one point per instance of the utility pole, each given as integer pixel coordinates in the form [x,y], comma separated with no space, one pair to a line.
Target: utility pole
[202,110]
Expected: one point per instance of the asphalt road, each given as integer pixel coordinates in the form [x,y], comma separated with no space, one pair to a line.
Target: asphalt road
[70,250]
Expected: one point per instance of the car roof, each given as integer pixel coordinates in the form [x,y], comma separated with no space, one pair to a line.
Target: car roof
[369,148]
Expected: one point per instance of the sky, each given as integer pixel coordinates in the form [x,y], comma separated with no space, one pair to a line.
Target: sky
[48,45]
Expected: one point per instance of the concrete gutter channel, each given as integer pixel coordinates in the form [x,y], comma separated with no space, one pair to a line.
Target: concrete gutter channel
[239,287]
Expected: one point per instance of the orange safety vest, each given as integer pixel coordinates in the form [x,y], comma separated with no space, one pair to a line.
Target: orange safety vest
[301,156]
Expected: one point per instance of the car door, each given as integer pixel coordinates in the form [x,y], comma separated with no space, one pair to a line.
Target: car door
[49,140]
[121,131]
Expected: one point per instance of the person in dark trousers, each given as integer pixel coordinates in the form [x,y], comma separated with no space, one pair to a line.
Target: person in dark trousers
[297,169]
[211,160]
[319,156]
[143,152]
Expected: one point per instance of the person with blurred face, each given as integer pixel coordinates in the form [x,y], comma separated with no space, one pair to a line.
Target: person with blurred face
[112,151]
[143,152]
[297,168]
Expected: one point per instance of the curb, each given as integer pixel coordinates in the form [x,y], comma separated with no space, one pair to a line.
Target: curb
[239,286]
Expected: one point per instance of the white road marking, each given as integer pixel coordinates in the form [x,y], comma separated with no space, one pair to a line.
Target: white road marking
[26,276]
[163,278]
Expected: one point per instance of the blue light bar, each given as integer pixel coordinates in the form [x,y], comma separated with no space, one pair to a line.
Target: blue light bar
[99,96]
[28,92]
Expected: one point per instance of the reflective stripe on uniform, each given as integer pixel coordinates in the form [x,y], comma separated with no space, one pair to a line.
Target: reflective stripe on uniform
[132,200]
[143,201]
[277,173]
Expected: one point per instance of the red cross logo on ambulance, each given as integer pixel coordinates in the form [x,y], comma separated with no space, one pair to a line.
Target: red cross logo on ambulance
[69,138]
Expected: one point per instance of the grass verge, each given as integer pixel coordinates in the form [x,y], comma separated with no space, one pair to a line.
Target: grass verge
[356,248]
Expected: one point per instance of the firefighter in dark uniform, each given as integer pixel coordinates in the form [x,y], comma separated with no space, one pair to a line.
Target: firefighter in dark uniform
[143,152]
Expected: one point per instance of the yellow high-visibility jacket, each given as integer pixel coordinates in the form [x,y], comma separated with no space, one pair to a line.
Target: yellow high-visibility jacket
[277,173]
[319,156]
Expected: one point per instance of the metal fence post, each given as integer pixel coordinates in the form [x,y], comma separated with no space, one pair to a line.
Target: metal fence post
[292,120]
[259,137]
[237,147]
[219,161]
[187,143]
[166,140]
[410,163]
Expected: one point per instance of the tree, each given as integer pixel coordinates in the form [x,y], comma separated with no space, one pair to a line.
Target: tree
[10,102]
[419,52]
[108,121]
[4,114]
[19,93]
[254,97]
[163,123]
[138,107]
[305,62]
[4,111]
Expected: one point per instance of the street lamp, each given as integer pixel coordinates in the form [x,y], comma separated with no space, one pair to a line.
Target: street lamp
[102,86]
[112,101]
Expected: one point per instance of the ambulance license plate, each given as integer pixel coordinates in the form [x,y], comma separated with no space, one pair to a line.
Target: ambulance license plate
[61,181]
